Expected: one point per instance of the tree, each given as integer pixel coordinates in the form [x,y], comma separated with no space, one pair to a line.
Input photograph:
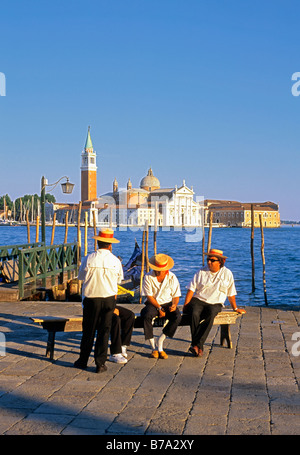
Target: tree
[8,202]
[28,202]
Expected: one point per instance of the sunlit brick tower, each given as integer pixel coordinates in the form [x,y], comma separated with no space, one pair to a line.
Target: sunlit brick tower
[88,171]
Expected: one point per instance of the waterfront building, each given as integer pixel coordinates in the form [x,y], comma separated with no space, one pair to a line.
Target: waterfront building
[238,214]
[150,203]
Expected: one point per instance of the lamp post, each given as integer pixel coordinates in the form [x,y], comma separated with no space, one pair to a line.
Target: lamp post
[66,187]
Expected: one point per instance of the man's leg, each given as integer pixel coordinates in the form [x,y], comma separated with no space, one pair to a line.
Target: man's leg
[174,318]
[127,323]
[115,335]
[148,313]
[105,312]
[88,331]
[209,313]
[194,310]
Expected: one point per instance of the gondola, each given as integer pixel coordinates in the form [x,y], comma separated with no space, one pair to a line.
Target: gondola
[128,291]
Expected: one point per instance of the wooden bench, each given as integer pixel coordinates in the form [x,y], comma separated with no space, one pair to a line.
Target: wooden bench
[74,324]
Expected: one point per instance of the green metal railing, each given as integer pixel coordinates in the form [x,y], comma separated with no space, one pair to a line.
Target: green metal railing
[36,261]
[9,252]
[42,262]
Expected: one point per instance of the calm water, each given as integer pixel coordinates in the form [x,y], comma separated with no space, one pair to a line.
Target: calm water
[282,257]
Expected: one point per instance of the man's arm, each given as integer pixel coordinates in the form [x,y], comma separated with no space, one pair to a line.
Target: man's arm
[232,302]
[188,298]
[175,302]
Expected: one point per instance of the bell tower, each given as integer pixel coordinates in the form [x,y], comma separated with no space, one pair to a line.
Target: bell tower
[88,171]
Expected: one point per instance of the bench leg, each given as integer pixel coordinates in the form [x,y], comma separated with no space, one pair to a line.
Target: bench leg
[50,345]
[225,335]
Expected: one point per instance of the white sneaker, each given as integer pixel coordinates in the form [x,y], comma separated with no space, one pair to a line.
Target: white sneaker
[117,358]
[124,352]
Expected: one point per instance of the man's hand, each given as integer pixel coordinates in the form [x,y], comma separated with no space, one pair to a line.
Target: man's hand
[240,311]
[161,313]
[116,311]
[175,302]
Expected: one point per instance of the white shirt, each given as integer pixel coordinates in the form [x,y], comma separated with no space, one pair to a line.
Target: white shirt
[101,272]
[213,287]
[163,292]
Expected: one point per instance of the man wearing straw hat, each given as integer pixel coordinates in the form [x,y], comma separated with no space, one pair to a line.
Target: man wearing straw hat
[162,289]
[100,272]
[206,295]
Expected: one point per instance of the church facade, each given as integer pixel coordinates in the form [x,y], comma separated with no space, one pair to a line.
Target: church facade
[149,203]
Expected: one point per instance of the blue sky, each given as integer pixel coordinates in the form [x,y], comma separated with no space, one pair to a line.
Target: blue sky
[198,90]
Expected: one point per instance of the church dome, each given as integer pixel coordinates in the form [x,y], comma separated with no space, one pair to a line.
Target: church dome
[150,182]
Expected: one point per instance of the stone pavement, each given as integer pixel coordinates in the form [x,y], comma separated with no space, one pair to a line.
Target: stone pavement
[252,389]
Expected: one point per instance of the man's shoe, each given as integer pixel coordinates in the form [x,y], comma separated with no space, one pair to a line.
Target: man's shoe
[154,355]
[200,352]
[101,368]
[117,358]
[79,364]
[194,350]
[163,355]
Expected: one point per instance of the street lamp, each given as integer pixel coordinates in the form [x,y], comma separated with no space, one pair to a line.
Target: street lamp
[66,187]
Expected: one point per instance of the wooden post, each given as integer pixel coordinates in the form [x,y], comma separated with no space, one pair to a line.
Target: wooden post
[4,208]
[252,247]
[111,217]
[203,241]
[263,257]
[95,229]
[85,232]
[37,229]
[32,207]
[28,226]
[210,231]
[66,227]
[155,229]
[146,247]
[53,228]
[21,210]
[78,231]
[143,262]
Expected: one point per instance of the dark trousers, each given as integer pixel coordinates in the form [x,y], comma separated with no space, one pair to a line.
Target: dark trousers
[201,311]
[97,317]
[150,311]
[121,330]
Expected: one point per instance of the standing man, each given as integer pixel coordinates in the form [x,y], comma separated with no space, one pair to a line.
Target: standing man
[100,272]
[162,289]
[206,295]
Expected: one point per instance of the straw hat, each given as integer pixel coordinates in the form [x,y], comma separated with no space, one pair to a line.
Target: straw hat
[216,253]
[106,235]
[161,262]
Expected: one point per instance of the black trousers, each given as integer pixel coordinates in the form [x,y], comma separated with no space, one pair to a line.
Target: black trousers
[201,311]
[150,311]
[121,330]
[97,317]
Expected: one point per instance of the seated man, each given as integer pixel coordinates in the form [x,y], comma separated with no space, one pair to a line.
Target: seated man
[120,334]
[206,295]
[162,289]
